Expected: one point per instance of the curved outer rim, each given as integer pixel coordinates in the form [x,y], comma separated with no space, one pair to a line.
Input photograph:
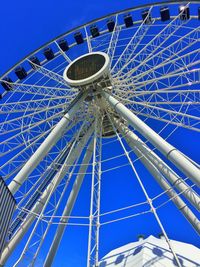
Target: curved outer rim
[96,20]
[103,71]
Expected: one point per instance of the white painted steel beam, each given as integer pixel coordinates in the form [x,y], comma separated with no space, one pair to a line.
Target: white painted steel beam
[69,206]
[44,148]
[149,200]
[169,151]
[94,218]
[135,142]
[37,208]
[176,199]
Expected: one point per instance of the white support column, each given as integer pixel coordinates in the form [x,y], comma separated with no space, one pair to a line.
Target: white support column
[69,206]
[153,168]
[94,219]
[169,151]
[37,208]
[135,142]
[44,148]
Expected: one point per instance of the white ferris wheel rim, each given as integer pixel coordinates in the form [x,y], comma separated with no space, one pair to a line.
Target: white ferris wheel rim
[62,105]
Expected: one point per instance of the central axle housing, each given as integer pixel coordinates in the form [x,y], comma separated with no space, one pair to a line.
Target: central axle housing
[89,71]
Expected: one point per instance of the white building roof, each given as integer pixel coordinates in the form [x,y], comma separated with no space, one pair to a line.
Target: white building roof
[152,251]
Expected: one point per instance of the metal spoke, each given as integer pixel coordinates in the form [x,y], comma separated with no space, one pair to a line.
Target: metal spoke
[50,74]
[29,127]
[88,40]
[131,47]
[63,53]
[172,53]
[69,206]
[44,207]
[165,148]
[159,39]
[43,149]
[173,59]
[146,152]
[186,76]
[38,207]
[94,219]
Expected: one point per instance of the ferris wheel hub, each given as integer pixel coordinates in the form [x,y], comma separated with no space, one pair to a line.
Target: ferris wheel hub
[89,71]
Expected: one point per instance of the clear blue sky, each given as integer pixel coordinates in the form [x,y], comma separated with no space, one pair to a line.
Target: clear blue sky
[26,25]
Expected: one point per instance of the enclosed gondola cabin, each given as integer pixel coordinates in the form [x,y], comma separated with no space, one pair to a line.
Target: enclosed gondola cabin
[78,37]
[146,16]
[164,13]
[34,62]
[6,83]
[184,12]
[20,72]
[128,21]
[94,31]
[63,45]
[110,25]
[48,53]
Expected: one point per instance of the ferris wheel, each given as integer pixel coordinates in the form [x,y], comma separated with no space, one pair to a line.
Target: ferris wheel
[98,105]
